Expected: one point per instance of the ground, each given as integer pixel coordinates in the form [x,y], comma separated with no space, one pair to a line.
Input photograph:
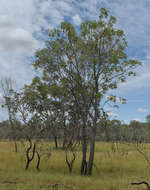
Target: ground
[116,166]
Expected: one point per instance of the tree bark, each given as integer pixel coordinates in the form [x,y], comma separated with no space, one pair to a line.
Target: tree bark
[55,140]
[28,154]
[54,134]
[64,135]
[92,151]
[16,146]
[38,161]
[13,131]
[83,170]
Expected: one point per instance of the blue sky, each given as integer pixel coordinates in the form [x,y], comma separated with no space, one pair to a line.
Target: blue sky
[22,26]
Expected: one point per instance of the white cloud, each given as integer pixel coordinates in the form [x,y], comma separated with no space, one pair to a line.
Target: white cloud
[77,19]
[1,96]
[4,21]
[21,25]
[111,114]
[142,110]
[18,39]
[136,119]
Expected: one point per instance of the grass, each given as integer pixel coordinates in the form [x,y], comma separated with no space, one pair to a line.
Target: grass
[114,170]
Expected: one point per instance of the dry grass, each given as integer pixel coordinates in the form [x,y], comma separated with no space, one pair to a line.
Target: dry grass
[114,170]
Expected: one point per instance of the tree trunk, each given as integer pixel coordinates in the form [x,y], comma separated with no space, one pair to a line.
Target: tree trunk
[64,143]
[92,151]
[27,164]
[93,131]
[16,146]
[64,138]
[38,161]
[13,132]
[29,160]
[56,142]
[83,170]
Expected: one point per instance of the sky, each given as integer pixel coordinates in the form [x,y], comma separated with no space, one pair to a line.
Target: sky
[22,32]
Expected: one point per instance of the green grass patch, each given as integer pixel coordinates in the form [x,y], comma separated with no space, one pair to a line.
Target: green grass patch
[113,169]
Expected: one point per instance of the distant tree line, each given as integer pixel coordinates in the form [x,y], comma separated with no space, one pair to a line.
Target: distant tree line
[110,131]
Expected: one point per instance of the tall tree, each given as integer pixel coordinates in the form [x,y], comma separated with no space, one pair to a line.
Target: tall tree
[8,85]
[87,64]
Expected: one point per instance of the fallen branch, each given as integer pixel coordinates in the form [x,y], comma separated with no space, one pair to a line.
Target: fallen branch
[142,182]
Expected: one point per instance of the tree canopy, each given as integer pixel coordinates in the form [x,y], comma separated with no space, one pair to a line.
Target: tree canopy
[79,67]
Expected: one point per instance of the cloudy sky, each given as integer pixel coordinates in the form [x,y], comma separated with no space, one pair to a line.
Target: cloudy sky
[22,31]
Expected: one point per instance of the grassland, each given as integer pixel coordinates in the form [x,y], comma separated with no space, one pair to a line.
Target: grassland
[114,169]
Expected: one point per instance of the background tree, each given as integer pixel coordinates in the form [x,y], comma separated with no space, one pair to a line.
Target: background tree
[148,118]
[34,130]
[8,85]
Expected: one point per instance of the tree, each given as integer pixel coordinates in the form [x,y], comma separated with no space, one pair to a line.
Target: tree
[58,113]
[87,64]
[32,128]
[8,85]
[50,103]
[148,118]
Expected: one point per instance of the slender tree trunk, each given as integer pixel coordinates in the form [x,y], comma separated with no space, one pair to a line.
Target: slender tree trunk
[29,159]
[13,132]
[83,170]
[64,142]
[27,164]
[71,162]
[93,132]
[64,135]
[54,134]
[38,161]
[56,142]
[16,146]
[92,151]
[107,134]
